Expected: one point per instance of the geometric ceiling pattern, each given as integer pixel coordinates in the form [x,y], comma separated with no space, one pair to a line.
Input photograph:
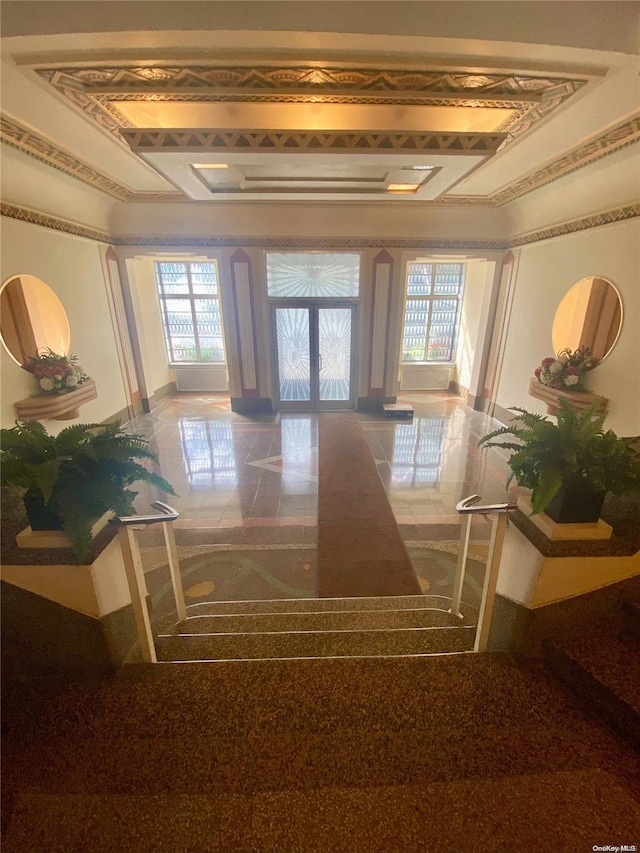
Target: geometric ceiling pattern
[17,135]
[280,113]
[100,92]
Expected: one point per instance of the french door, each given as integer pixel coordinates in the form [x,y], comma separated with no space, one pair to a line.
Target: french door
[313,355]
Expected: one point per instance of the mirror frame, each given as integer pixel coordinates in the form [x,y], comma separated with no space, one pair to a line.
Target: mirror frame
[3,287]
[591,278]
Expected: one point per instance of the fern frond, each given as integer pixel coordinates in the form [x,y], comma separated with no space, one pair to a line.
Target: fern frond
[548,487]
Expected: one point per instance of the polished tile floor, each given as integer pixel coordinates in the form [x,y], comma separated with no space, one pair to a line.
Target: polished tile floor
[247,485]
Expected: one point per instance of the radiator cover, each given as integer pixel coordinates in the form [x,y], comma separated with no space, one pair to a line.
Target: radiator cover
[201,377]
[425,378]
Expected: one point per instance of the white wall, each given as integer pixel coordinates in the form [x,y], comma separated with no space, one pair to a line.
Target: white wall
[545,272]
[153,351]
[384,220]
[71,266]
[474,317]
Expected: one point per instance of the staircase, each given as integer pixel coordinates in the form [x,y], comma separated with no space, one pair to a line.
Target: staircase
[317,628]
[434,753]
[603,669]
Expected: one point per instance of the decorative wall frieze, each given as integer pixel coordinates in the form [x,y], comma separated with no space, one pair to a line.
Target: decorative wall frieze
[97,91]
[342,243]
[239,141]
[595,220]
[33,217]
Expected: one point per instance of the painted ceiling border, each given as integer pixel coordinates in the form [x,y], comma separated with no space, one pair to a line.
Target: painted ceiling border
[595,220]
[618,136]
[96,90]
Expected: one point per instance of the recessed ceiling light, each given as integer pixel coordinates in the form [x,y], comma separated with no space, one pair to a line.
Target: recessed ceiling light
[422,168]
[402,188]
[210,166]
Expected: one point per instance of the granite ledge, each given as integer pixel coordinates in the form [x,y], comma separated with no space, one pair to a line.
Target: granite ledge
[618,546]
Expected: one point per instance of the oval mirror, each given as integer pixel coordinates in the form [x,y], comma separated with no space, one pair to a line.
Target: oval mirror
[589,315]
[32,318]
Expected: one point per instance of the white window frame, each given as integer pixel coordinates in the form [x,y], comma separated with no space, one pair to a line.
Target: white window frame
[163,298]
[430,300]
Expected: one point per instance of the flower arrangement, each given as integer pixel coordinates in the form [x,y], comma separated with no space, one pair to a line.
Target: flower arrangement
[567,369]
[56,374]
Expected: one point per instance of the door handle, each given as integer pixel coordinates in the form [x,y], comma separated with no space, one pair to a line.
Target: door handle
[319,362]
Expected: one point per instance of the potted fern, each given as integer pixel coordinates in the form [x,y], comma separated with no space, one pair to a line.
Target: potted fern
[73,478]
[569,465]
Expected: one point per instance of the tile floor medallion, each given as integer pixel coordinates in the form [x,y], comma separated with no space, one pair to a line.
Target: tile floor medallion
[248,494]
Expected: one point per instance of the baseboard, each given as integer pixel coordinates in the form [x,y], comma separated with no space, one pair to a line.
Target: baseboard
[126,414]
[164,391]
[498,412]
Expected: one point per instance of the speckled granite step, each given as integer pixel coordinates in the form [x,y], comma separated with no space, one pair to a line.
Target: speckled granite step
[477,815]
[315,644]
[339,620]
[632,617]
[603,670]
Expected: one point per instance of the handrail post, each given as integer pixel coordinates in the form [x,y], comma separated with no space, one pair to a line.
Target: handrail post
[498,512]
[174,570]
[135,572]
[498,530]
[461,565]
[138,591]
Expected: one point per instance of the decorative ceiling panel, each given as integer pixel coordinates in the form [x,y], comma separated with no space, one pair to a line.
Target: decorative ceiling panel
[98,90]
[197,140]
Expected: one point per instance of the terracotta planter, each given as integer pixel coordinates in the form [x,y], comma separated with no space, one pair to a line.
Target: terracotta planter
[576,505]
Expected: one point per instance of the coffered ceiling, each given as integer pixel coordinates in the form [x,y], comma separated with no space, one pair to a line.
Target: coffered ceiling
[404,128]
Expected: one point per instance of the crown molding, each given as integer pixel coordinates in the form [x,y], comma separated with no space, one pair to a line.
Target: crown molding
[615,138]
[17,135]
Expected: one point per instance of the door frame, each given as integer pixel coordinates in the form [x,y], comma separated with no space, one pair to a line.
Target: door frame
[312,304]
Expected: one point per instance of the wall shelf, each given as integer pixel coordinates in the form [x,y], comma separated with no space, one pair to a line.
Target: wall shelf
[580,400]
[57,407]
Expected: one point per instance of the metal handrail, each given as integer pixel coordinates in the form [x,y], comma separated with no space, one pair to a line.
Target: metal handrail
[167,513]
[127,526]
[468,507]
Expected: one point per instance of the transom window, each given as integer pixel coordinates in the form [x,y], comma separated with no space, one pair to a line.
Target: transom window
[190,304]
[432,311]
[313,274]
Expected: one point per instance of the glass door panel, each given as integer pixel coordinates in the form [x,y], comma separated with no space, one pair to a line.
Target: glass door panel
[313,356]
[334,354]
[294,354]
